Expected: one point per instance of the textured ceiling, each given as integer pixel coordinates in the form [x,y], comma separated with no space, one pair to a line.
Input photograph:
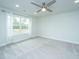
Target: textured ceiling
[26,8]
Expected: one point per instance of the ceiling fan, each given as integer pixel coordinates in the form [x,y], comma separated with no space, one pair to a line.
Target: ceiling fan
[44,6]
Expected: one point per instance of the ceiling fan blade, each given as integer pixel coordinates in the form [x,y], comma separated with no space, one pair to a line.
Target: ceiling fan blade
[49,10]
[51,2]
[35,4]
[38,10]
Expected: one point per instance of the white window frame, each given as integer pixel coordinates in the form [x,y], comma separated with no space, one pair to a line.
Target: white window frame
[11,32]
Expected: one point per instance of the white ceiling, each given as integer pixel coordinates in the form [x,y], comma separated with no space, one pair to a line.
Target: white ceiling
[26,8]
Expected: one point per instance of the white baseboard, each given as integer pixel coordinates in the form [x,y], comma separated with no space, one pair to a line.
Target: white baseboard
[67,41]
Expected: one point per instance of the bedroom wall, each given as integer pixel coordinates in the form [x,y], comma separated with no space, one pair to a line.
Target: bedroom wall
[64,27]
[3,34]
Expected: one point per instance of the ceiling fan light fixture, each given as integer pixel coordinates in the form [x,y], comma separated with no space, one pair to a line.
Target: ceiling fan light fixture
[44,6]
[43,9]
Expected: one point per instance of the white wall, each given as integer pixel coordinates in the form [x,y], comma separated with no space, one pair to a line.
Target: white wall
[3,37]
[64,27]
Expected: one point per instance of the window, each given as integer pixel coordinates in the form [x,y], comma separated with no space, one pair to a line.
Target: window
[18,24]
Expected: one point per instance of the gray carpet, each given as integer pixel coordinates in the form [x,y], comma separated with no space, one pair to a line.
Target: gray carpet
[40,48]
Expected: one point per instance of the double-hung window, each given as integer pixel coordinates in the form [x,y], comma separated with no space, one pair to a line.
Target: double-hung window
[18,24]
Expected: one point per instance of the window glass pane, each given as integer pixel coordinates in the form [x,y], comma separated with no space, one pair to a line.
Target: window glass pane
[16,23]
[16,20]
[24,24]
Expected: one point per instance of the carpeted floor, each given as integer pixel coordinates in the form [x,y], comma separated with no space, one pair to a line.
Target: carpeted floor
[40,48]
